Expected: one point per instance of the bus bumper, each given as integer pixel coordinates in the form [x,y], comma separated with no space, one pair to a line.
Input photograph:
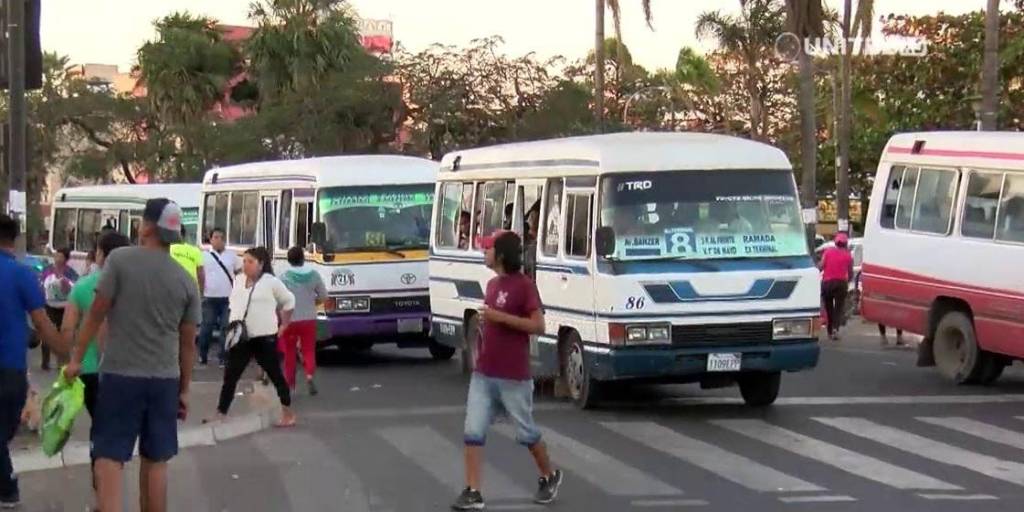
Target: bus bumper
[689,364]
[383,328]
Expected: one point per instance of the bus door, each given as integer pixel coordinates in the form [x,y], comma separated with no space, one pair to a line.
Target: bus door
[269,221]
[525,224]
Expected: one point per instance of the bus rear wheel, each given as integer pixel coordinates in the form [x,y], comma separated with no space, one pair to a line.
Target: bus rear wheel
[956,350]
[760,389]
[471,344]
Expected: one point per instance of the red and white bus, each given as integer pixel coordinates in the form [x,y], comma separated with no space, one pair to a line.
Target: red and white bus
[944,249]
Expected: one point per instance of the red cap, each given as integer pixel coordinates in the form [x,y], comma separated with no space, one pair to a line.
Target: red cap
[487,242]
[841,238]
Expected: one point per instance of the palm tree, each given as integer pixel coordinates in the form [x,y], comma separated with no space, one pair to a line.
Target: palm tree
[186,68]
[750,38]
[599,50]
[806,18]
[990,69]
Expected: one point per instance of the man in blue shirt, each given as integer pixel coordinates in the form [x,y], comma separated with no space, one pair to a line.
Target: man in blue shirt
[21,295]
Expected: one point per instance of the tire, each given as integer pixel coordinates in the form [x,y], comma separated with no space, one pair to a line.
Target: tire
[470,348]
[956,350]
[760,389]
[992,369]
[441,352]
[584,390]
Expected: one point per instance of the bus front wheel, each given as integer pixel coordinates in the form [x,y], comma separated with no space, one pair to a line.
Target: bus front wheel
[471,343]
[441,352]
[761,388]
[584,390]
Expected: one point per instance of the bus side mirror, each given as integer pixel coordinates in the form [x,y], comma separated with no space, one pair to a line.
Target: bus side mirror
[605,241]
[319,233]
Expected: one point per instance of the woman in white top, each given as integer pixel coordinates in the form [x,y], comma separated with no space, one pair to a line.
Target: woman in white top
[270,299]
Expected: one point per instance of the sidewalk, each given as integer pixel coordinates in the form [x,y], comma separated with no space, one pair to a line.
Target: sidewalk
[255,408]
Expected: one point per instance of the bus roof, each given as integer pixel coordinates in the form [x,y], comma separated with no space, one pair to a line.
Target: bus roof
[623,152]
[185,194]
[963,148]
[349,170]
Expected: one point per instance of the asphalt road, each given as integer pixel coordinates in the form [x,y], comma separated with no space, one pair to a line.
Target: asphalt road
[865,431]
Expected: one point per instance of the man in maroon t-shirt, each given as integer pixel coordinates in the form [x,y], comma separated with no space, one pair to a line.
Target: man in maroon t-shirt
[502,382]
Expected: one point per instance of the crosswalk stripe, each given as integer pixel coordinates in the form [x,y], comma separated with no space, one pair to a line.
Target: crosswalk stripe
[817,499]
[725,464]
[979,429]
[958,497]
[669,503]
[835,456]
[999,469]
[337,486]
[443,460]
[610,475]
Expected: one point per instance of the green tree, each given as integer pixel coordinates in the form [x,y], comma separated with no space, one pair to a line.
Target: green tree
[299,43]
[749,41]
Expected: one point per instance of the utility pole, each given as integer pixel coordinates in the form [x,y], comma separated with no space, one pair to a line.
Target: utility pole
[599,65]
[18,120]
[845,124]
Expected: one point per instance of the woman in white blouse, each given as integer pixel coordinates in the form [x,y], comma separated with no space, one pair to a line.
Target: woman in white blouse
[270,300]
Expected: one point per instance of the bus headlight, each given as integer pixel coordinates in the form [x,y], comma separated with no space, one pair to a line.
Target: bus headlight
[792,328]
[353,304]
[654,333]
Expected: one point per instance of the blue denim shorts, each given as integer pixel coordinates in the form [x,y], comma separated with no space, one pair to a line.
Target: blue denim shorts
[136,408]
[489,397]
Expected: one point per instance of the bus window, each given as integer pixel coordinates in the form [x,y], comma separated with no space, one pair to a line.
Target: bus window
[490,207]
[510,196]
[905,205]
[450,215]
[1011,210]
[934,203]
[577,231]
[303,219]
[215,213]
[284,227]
[552,216]
[243,218]
[466,216]
[979,215]
[122,222]
[892,195]
[64,221]
[88,230]
[133,231]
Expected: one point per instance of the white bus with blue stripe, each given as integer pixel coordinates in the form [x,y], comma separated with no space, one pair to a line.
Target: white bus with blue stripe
[659,258]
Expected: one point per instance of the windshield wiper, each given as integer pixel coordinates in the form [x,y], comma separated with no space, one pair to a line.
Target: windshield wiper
[368,248]
[409,247]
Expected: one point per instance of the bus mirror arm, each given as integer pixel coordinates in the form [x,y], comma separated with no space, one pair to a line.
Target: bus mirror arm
[604,241]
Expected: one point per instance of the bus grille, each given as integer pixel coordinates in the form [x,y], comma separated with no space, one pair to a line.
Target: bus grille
[415,304]
[760,332]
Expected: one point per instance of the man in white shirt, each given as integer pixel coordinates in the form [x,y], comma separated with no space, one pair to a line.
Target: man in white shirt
[220,266]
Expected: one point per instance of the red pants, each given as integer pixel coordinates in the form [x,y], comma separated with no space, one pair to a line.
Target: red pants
[302,336]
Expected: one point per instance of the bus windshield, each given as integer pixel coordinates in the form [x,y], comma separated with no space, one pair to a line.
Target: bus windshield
[376,218]
[703,215]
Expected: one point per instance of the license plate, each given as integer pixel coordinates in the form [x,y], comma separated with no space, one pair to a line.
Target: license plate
[410,325]
[724,362]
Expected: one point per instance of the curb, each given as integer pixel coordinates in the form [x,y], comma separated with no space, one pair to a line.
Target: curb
[77,453]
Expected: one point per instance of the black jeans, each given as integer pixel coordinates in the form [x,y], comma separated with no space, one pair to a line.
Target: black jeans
[57,317]
[834,294]
[13,392]
[264,350]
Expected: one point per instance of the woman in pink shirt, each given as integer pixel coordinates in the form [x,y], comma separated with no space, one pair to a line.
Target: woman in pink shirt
[836,271]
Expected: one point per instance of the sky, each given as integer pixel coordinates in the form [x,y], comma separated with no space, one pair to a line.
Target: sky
[110,31]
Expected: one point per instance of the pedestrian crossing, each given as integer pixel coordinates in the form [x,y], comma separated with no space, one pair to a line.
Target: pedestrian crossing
[624,463]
